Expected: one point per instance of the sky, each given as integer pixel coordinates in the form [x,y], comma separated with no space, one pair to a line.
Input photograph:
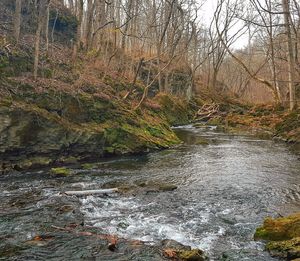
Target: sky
[207,13]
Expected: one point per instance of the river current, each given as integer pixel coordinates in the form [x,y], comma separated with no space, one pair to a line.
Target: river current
[225,189]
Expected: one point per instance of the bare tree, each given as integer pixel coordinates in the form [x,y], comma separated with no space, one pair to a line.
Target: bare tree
[79,11]
[42,6]
[290,52]
[17,20]
[252,74]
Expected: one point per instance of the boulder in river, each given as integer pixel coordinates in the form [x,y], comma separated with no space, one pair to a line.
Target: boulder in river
[283,236]
[182,252]
[62,171]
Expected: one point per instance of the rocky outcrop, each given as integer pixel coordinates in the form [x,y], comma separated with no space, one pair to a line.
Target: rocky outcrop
[39,127]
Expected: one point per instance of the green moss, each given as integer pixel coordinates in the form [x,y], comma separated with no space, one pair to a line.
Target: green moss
[279,229]
[191,255]
[167,187]
[175,110]
[290,123]
[201,141]
[58,120]
[109,150]
[7,101]
[60,171]
[68,160]
[15,63]
[287,248]
[216,121]
[45,72]
[87,166]
[154,131]
[34,162]
[283,235]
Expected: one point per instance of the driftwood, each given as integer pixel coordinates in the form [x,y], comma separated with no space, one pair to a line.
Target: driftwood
[91,192]
[207,111]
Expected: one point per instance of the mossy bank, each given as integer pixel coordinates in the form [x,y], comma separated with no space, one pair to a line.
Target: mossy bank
[42,124]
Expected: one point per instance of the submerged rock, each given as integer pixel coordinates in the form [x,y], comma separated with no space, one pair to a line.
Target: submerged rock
[167,187]
[283,235]
[289,249]
[201,141]
[141,187]
[192,255]
[60,171]
[170,243]
[174,249]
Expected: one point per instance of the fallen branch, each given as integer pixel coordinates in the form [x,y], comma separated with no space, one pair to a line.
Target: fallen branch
[207,111]
[91,192]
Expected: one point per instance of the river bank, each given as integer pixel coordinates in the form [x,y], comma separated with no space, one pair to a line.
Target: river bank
[264,121]
[43,123]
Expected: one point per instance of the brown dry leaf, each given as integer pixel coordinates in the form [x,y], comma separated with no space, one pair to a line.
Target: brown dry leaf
[112,242]
[37,238]
[170,253]
[112,239]
[85,233]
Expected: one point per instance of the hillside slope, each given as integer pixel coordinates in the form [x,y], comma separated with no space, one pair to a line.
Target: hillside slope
[76,109]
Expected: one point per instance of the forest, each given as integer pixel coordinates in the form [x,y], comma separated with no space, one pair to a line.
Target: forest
[150,130]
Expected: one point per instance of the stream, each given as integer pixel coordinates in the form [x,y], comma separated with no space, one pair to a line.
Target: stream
[225,189]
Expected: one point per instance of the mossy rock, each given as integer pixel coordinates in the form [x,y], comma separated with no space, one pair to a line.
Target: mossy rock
[289,249]
[88,166]
[284,228]
[176,111]
[142,187]
[62,171]
[283,235]
[201,141]
[192,255]
[167,187]
[34,162]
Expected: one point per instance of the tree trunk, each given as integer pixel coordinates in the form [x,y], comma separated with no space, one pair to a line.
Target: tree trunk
[79,4]
[71,6]
[42,7]
[127,23]
[290,53]
[17,20]
[89,24]
[47,28]
[37,49]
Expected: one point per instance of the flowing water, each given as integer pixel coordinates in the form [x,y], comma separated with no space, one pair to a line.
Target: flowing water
[225,189]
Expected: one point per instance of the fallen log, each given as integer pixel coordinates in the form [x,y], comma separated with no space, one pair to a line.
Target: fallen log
[91,192]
